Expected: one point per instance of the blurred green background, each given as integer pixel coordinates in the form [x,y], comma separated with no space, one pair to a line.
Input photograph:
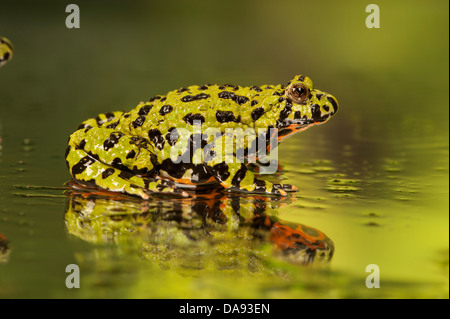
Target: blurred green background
[388,143]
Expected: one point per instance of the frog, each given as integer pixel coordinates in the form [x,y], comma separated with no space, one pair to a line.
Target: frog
[6,51]
[156,149]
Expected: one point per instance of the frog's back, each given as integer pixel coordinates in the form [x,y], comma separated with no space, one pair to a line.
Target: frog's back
[218,106]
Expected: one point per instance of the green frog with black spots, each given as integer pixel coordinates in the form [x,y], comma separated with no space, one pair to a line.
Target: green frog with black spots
[161,145]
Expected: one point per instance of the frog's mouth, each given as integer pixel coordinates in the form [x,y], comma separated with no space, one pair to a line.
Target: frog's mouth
[322,110]
[326,108]
[321,107]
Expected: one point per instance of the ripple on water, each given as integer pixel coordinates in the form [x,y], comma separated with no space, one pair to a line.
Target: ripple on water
[342,189]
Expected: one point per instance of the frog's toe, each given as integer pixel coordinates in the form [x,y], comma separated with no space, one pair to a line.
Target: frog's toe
[286,187]
[182,193]
[279,192]
[144,195]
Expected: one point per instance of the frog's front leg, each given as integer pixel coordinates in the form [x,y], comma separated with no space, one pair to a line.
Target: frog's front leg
[237,177]
[116,162]
[233,174]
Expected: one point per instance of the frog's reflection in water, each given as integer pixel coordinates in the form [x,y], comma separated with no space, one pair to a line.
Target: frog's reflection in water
[210,227]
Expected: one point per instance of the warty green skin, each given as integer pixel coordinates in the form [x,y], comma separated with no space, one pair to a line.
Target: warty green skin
[132,152]
[6,51]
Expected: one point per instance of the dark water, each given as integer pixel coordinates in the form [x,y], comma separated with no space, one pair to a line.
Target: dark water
[374,178]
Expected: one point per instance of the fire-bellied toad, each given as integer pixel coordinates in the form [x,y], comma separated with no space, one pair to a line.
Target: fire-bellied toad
[138,152]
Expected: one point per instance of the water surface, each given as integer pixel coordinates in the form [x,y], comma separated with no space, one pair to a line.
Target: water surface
[374,178]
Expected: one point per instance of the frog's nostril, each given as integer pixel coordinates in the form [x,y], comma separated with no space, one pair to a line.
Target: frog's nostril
[334,102]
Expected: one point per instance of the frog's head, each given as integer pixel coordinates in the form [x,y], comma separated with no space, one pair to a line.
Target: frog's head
[305,106]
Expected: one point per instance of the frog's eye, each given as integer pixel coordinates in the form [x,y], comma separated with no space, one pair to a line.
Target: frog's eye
[298,93]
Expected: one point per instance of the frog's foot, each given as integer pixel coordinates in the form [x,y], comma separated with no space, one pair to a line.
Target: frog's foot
[286,187]
[88,171]
[162,186]
[237,177]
